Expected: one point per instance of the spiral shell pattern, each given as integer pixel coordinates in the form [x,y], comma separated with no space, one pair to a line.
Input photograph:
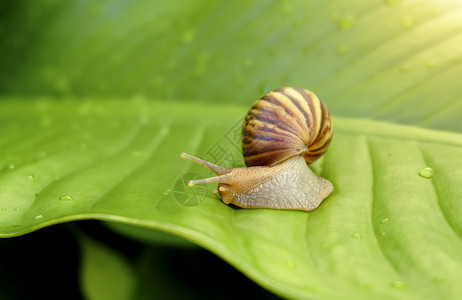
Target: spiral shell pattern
[284,123]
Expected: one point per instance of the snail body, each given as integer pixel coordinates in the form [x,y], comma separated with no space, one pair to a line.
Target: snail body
[283,132]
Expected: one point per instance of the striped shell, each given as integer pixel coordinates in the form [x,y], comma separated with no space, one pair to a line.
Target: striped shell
[284,123]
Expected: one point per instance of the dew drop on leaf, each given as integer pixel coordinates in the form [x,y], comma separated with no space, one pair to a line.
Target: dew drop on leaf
[426,172]
[14,226]
[384,221]
[38,217]
[3,209]
[17,209]
[65,198]
[357,235]
[290,264]
[398,284]
[31,176]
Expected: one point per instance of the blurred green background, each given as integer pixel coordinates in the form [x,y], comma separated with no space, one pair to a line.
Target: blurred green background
[368,59]
[371,59]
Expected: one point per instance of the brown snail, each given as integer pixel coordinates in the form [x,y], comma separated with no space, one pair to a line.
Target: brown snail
[283,131]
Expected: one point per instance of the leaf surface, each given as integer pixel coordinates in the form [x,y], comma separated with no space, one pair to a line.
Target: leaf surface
[105,273]
[119,161]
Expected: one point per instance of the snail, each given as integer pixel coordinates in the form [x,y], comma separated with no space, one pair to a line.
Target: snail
[283,132]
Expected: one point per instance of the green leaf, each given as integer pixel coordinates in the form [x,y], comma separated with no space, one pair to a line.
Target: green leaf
[105,274]
[119,161]
[385,232]
[158,280]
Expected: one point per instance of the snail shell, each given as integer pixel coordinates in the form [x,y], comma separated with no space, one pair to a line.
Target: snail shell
[285,123]
[283,131]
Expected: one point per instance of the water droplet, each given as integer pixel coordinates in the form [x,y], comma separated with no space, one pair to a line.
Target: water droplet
[398,284]
[342,49]
[14,226]
[385,221]
[65,198]
[426,172]
[290,264]
[17,209]
[407,22]
[347,22]
[357,235]
[392,2]
[38,217]
[4,209]
[11,166]
[31,176]
[403,68]
[438,280]
[384,233]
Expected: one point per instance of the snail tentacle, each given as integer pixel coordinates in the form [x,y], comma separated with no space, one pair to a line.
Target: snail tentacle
[212,167]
